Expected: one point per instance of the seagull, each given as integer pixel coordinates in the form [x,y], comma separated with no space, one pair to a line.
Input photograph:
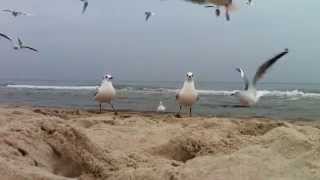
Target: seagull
[85,5]
[106,92]
[16,13]
[248,97]
[161,107]
[188,95]
[149,14]
[5,36]
[21,46]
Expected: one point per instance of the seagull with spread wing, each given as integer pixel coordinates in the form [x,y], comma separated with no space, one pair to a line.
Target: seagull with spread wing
[148,14]
[15,13]
[20,45]
[248,97]
[85,5]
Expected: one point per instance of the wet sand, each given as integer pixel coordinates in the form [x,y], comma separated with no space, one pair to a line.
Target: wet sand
[62,144]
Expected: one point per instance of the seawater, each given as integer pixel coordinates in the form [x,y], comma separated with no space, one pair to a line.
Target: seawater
[278,100]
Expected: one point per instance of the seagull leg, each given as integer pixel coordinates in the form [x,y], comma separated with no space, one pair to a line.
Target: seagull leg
[190,113]
[178,114]
[114,110]
[100,108]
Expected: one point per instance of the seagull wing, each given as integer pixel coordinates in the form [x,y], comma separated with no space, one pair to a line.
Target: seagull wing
[265,66]
[7,10]
[85,6]
[244,77]
[20,42]
[148,14]
[5,36]
[95,93]
[27,47]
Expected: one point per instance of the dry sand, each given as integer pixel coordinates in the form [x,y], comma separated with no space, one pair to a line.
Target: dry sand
[62,144]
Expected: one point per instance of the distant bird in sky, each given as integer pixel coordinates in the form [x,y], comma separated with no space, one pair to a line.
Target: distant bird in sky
[249,97]
[16,13]
[106,92]
[20,45]
[5,36]
[85,5]
[188,95]
[148,14]
[161,107]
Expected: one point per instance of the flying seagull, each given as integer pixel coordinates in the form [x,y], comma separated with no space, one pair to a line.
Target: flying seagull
[188,95]
[248,97]
[161,107]
[20,45]
[148,14]
[16,13]
[106,92]
[85,5]
[5,36]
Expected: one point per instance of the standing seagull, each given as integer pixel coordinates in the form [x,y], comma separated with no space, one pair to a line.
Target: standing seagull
[248,97]
[188,95]
[85,5]
[148,14]
[16,13]
[161,107]
[106,92]
[5,36]
[21,46]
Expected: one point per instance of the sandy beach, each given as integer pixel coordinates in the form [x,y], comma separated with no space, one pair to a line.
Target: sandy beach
[63,144]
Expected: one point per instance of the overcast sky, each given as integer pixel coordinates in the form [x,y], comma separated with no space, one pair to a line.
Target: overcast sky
[113,37]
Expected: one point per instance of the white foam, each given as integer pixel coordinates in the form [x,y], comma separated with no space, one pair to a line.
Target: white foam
[53,87]
[260,93]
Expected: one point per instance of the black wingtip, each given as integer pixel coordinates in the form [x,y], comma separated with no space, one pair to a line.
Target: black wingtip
[286,50]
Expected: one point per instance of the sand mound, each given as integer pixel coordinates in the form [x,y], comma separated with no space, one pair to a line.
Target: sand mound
[58,144]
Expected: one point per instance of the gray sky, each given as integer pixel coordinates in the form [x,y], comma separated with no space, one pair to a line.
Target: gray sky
[113,37]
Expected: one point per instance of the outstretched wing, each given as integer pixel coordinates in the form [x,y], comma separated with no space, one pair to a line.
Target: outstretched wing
[5,36]
[20,42]
[148,14]
[27,47]
[7,10]
[85,6]
[265,66]
[244,77]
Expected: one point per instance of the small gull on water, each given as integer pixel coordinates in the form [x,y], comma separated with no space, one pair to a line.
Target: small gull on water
[161,107]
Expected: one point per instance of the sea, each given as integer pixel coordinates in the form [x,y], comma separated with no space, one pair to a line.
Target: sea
[292,101]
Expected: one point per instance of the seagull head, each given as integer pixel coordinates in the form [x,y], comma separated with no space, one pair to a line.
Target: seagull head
[189,76]
[108,77]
